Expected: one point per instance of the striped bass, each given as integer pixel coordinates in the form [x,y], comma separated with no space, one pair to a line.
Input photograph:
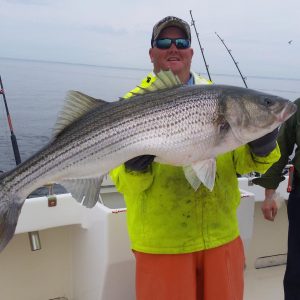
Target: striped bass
[180,125]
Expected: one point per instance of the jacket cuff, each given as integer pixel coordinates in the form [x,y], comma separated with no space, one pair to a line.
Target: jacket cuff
[268,182]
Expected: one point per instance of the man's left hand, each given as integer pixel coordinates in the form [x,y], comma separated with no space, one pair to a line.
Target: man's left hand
[265,144]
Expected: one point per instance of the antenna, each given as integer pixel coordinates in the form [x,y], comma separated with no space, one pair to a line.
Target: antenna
[202,49]
[235,62]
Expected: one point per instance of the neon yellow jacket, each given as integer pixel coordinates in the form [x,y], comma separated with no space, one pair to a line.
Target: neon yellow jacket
[165,215]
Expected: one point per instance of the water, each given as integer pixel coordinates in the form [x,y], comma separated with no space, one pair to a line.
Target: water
[35,92]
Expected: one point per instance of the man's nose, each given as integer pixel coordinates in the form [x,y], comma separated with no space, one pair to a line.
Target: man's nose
[173,47]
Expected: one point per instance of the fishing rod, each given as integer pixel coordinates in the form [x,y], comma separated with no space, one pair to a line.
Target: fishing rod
[12,135]
[202,49]
[235,62]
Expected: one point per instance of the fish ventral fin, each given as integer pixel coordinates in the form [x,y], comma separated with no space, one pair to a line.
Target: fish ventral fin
[84,190]
[75,106]
[164,80]
[201,172]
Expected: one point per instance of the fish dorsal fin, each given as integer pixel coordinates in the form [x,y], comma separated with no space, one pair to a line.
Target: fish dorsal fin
[76,105]
[202,171]
[85,190]
[168,79]
[164,80]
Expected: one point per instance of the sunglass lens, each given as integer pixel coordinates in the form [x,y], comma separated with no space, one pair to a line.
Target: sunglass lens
[182,43]
[163,43]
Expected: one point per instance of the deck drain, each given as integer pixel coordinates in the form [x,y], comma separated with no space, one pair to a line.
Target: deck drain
[270,261]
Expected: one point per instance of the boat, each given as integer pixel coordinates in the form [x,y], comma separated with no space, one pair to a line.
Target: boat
[85,253]
[76,253]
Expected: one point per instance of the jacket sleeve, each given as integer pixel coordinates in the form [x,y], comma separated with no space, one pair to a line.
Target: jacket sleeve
[286,141]
[245,161]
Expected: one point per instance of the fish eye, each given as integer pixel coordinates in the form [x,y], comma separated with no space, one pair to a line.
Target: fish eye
[268,101]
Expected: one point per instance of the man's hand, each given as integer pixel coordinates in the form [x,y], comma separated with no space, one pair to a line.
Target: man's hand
[139,163]
[269,207]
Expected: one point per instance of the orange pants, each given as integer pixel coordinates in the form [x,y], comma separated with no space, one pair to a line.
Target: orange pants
[214,274]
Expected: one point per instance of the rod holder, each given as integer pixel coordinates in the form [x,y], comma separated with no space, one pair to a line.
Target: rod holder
[34,239]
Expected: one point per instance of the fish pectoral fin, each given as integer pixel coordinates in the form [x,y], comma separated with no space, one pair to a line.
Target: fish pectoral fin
[84,190]
[201,172]
[75,106]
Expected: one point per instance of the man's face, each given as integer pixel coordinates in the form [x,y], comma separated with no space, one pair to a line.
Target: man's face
[176,60]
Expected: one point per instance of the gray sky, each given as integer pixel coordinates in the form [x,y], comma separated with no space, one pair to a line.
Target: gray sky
[117,33]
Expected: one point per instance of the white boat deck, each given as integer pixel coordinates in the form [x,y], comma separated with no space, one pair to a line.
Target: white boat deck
[85,253]
[264,284]
[268,239]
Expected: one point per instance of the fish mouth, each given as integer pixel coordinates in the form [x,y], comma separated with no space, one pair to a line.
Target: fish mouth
[288,111]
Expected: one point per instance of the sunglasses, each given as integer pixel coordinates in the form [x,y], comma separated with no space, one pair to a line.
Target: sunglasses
[167,43]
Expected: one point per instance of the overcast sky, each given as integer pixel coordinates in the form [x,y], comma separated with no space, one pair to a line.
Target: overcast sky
[117,33]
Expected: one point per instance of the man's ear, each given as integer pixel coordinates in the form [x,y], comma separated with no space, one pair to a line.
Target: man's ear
[151,54]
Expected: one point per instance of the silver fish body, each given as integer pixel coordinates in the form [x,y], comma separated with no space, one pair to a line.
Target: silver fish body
[181,125]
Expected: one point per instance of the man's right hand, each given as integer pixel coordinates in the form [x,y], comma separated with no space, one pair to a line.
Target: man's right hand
[269,207]
[139,163]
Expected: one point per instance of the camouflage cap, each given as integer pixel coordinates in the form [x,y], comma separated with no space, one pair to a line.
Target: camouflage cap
[168,22]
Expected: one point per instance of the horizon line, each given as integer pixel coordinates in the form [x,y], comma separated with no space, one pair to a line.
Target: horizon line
[145,69]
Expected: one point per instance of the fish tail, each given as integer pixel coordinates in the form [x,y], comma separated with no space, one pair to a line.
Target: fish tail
[10,208]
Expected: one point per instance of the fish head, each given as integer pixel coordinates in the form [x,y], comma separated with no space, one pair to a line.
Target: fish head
[252,114]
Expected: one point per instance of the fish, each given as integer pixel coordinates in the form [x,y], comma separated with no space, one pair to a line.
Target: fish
[180,125]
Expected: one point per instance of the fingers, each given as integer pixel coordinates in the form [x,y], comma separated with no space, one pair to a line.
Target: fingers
[269,210]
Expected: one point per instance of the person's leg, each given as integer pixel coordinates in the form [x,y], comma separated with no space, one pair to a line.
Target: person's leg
[291,280]
[165,276]
[223,271]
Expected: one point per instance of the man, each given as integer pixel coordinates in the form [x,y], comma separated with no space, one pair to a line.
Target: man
[186,243]
[289,137]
